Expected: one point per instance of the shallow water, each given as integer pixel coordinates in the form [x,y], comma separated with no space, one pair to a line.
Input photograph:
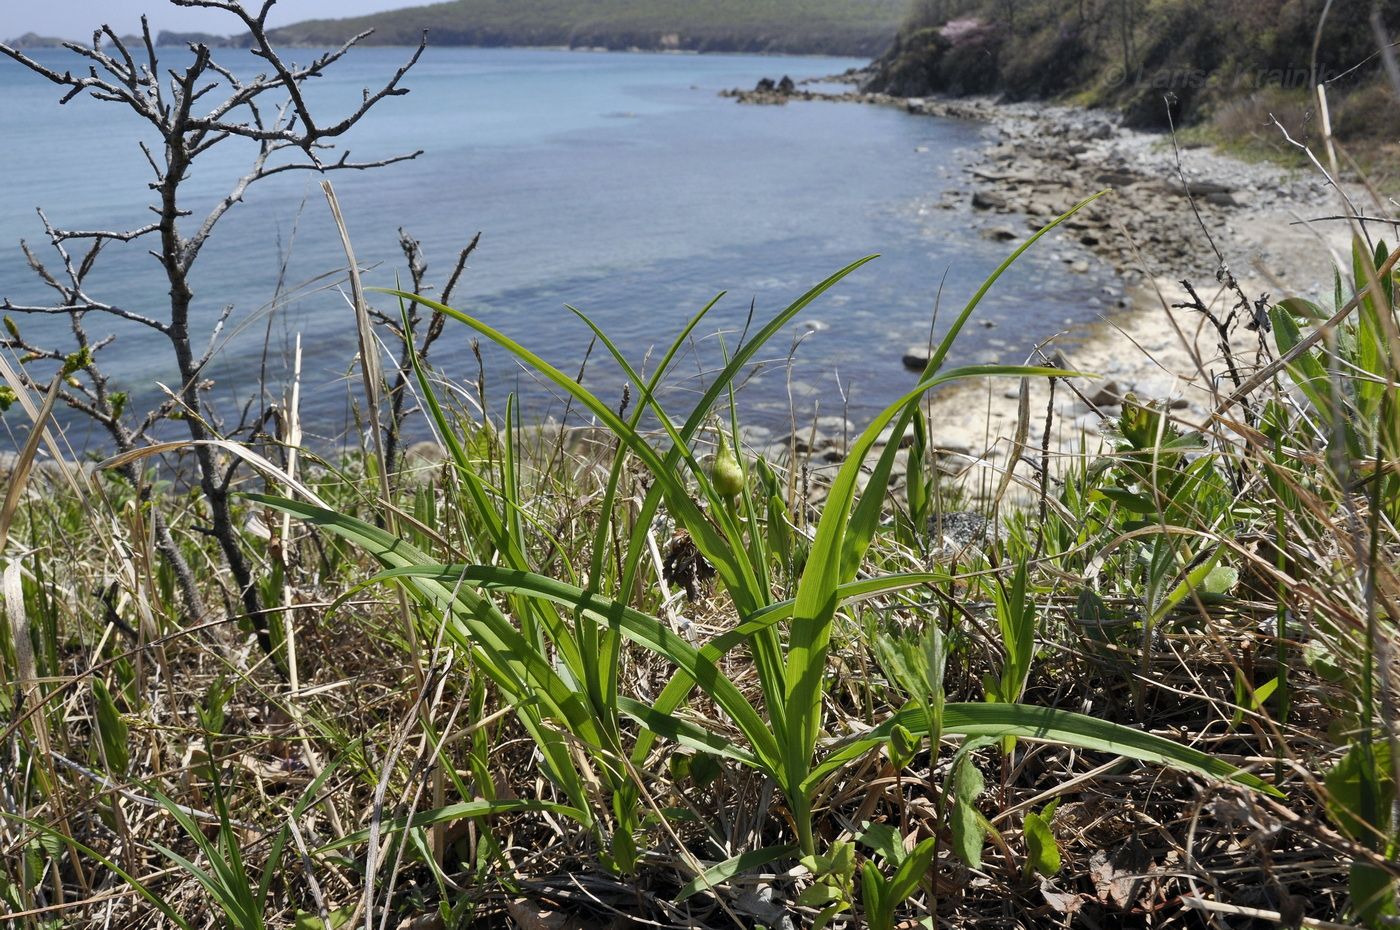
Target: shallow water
[620,184]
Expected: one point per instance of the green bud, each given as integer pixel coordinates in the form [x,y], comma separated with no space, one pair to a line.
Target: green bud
[77,361]
[725,472]
[902,747]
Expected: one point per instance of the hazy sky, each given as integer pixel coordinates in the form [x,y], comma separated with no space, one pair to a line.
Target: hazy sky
[75,19]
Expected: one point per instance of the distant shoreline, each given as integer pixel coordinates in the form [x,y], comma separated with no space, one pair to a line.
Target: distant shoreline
[583,49]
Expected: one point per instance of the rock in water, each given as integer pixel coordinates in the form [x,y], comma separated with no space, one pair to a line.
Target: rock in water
[986,200]
[916,358]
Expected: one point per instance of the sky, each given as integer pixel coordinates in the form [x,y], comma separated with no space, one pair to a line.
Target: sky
[76,19]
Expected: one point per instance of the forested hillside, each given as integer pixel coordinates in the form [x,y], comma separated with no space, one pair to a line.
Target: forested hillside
[845,27]
[1233,62]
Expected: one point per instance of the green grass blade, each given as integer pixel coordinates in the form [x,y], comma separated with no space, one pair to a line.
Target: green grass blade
[710,541]
[642,629]
[505,654]
[687,733]
[866,518]
[454,812]
[718,512]
[816,592]
[722,872]
[1047,725]
[224,897]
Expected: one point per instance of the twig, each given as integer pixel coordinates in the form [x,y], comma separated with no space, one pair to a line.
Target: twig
[1219,907]
[1304,345]
[108,785]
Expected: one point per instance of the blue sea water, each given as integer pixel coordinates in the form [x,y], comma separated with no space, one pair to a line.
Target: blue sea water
[620,184]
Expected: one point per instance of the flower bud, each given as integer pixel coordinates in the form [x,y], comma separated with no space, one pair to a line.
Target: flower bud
[725,473]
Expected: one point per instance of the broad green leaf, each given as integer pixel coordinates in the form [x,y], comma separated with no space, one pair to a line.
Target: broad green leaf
[1323,661]
[1243,699]
[903,747]
[966,823]
[1220,580]
[912,870]
[1360,792]
[1133,503]
[111,728]
[1372,895]
[819,895]
[704,769]
[1043,853]
[1195,580]
[885,840]
[305,920]
[873,897]
[1370,332]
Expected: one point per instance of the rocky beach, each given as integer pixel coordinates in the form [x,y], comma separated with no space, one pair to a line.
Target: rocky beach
[1169,216]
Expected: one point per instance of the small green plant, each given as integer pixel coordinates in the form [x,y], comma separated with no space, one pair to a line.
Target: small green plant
[832,891]
[881,893]
[1349,380]
[968,826]
[1360,794]
[1042,851]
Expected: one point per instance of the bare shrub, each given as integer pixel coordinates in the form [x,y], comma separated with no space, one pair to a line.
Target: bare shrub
[192,110]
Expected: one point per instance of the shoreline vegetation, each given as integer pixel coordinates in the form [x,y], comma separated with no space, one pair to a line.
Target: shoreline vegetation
[1126,656]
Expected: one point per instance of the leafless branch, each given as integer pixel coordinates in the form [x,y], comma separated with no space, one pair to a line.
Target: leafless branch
[127,235]
[436,324]
[193,109]
[91,306]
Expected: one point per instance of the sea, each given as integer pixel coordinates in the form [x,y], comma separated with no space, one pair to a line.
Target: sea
[621,185]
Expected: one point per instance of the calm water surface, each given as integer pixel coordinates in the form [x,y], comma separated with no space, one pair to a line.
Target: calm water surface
[620,184]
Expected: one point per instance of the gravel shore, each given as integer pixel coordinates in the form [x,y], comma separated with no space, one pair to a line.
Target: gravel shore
[1168,216]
